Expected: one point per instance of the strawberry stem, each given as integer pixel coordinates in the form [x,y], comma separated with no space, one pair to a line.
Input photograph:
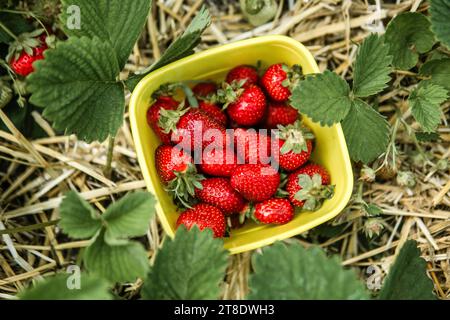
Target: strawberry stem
[8,31]
[108,168]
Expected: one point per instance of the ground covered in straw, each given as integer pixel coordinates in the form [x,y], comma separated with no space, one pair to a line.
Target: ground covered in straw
[36,174]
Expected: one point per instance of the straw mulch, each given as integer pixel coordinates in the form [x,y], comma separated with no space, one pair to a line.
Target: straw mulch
[39,172]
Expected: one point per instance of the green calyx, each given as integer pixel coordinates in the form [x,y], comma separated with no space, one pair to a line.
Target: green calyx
[183,186]
[25,42]
[295,137]
[293,76]
[168,89]
[313,192]
[229,93]
[168,119]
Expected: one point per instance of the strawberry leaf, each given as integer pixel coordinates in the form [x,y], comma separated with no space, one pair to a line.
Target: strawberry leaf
[191,266]
[76,84]
[425,104]
[407,278]
[78,219]
[372,67]
[129,217]
[182,47]
[322,97]
[440,17]
[439,70]
[56,288]
[116,21]
[123,262]
[366,132]
[407,35]
[303,274]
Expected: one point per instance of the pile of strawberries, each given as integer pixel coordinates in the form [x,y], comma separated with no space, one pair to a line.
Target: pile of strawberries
[237,150]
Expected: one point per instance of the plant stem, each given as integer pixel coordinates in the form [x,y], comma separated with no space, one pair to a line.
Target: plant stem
[108,169]
[8,31]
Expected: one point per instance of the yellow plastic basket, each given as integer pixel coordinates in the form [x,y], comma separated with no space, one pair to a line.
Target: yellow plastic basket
[213,64]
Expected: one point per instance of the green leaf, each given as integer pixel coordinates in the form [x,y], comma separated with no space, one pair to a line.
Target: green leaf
[407,278]
[124,262]
[372,67]
[78,219]
[116,21]
[322,97]
[366,132]
[440,17]
[291,272]
[189,267]
[129,217]
[76,84]
[57,288]
[439,70]
[407,35]
[425,104]
[182,47]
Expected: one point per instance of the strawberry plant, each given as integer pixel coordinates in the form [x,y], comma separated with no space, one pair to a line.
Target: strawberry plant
[81,88]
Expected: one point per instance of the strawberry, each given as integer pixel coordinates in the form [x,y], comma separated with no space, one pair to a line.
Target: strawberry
[243,72]
[177,171]
[252,146]
[245,105]
[27,49]
[279,80]
[219,162]
[280,114]
[204,216]
[205,93]
[255,182]
[153,115]
[294,146]
[220,193]
[204,90]
[274,211]
[189,125]
[309,186]
[214,111]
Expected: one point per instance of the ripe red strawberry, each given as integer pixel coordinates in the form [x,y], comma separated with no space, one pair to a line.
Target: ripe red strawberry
[274,211]
[241,73]
[25,52]
[255,182]
[192,128]
[177,171]
[309,186]
[214,111]
[219,162]
[294,146]
[204,90]
[252,146]
[279,80]
[280,114]
[219,192]
[204,216]
[153,115]
[249,108]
